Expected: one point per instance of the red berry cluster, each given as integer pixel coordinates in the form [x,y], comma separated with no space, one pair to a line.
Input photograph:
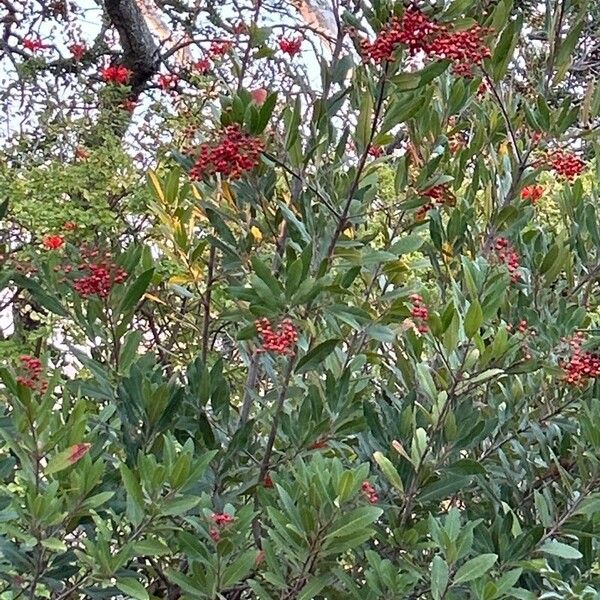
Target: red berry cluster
[419,312]
[32,374]
[281,341]
[319,444]
[202,66]
[418,32]
[235,153]
[369,492]
[221,520]
[78,50]
[100,279]
[532,193]
[375,151]
[290,46]
[267,481]
[565,164]
[464,48]
[414,30]
[168,81]
[117,74]
[33,44]
[128,105]
[441,194]
[219,48]
[53,242]
[509,256]
[581,366]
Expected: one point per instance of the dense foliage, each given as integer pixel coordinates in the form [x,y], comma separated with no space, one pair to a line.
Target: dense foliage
[299,306]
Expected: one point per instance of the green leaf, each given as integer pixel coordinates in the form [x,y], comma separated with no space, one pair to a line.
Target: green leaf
[179,506]
[561,550]
[313,587]
[266,275]
[265,113]
[54,544]
[355,520]
[237,570]
[476,567]
[133,588]
[389,470]
[505,47]
[564,56]
[316,356]
[3,209]
[473,319]
[135,495]
[365,122]
[439,577]
[136,291]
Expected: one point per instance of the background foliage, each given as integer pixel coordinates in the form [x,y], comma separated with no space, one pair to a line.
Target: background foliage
[432,433]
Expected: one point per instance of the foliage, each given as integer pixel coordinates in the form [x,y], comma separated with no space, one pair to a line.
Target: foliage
[418,415]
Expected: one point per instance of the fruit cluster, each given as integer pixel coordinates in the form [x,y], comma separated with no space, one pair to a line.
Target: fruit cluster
[419,312]
[117,74]
[78,50]
[202,66]
[281,341]
[582,365]
[53,242]
[509,256]
[441,194]
[32,374]
[565,164]
[100,279]
[219,48]
[168,81]
[234,154]
[375,151]
[532,193]
[33,44]
[220,520]
[369,492]
[418,32]
[290,46]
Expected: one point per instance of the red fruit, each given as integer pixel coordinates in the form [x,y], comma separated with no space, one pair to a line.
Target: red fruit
[78,50]
[281,341]
[565,164]
[116,74]
[219,48]
[33,44]
[532,193]
[222,519]
[202,66]
[168,81]
[290,46]
[375,151]
[53,242]
[234,154]
[259,95]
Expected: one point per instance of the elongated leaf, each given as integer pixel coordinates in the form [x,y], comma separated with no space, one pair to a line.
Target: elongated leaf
[316,356]
[439,577]
[561,550]
[474,568]
[133,588]
[136,291]
[389,470]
